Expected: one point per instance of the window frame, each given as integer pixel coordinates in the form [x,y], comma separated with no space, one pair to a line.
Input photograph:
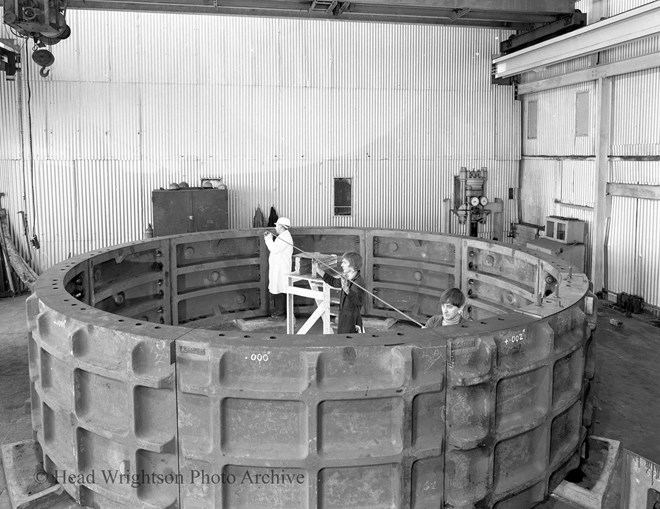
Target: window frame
[345,206]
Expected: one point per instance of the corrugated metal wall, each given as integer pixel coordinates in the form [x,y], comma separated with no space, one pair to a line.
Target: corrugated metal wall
[549,165]
[540,184]
[275,107]
[634,248]
[634,243]
[559,187]
[614,7]
[636,117]
[556,135]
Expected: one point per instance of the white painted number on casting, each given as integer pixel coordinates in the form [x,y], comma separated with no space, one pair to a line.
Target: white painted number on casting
[516,338]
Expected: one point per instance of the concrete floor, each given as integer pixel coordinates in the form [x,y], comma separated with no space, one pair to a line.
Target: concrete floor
[14,379]
[628,395]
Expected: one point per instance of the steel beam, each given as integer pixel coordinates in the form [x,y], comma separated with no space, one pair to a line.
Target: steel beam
[603,202]
[628,26]
[544,32]
[600,71]
[638,191]
[555,7]
[510,14]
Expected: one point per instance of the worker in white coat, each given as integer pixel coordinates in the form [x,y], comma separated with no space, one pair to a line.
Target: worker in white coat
[279,264]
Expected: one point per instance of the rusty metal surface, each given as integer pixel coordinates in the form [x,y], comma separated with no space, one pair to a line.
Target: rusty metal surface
[103,399]
[351,421]
[487,414]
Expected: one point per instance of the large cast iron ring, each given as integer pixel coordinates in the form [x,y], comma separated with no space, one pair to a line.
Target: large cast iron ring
[141,397]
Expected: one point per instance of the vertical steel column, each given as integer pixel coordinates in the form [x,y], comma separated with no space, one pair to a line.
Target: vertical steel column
[603,203]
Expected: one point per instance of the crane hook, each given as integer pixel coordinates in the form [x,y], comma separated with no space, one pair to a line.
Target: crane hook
[44,72]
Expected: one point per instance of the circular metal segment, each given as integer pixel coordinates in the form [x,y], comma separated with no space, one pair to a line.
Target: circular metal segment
[148,401]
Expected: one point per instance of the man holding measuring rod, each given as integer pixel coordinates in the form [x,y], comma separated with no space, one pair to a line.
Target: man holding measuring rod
[279,265]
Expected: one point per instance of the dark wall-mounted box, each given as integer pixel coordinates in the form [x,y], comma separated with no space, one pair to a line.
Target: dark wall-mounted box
[189,210]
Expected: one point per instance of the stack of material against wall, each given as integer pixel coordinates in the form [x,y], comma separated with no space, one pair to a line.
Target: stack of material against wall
[12,257]
[276,107]
[524,233]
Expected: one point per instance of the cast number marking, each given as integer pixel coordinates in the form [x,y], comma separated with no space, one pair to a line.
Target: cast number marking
[162,357]
[259,357]
[432,359]
[429,485]
[516,338]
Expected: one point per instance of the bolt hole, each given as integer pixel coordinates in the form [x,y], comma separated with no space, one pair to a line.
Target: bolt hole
[246,336]
[139,323]
[121,320]
[273,337]
[220,335]
[156,327]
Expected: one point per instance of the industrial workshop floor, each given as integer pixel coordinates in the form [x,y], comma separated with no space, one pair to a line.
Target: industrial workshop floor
[628,393]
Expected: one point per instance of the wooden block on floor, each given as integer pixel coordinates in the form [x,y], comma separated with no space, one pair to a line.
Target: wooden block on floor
[251,325]
[379,324]
[256,324]
[28,485]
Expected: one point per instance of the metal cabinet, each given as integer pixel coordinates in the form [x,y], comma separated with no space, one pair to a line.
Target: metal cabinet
[189,210]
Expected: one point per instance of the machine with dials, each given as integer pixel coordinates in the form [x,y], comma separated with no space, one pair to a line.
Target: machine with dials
[470,199]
